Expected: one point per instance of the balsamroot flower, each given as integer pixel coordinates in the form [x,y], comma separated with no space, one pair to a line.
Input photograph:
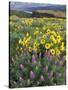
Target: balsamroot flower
[33,59]
[52,51]
[47,45]
[42,41]
[32,75]
[42,78]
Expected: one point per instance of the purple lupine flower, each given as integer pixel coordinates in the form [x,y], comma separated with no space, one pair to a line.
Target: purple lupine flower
[42,78]
[40,55]
[45,68]
[33,59]
[49,58]
[46,53]
[21,66]
[50,74]
[63,59]
[32,75]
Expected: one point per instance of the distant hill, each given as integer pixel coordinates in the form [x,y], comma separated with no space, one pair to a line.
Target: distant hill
[49,7]
[21,6]
[49,13]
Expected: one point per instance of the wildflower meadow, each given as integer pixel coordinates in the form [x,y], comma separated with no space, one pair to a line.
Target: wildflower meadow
[37,51]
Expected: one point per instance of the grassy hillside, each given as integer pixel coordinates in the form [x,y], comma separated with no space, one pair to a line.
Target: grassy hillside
[49,13]
[20,13]
[39,13]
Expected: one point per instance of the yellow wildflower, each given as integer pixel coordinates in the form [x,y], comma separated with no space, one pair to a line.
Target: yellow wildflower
[35,48]
[40,32]
[35,44]
[57,51]
[23,43]
[52,51]
[27,34]
[48,32]
[30,49]
[26,41]
[62,44]
[20,41]
[20,49]
[54,33]
[29,38]
[59,38]
[53,39]
[47,45]
[62,47]
[42,41]
[43,36]
[36,32]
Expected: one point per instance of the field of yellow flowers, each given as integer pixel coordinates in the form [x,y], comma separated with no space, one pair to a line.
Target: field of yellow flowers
[37,51]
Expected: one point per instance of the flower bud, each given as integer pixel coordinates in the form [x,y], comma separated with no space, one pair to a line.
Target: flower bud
[40,55]
[45,68]
[32,75]
[42,78]
[21,66]
[50,74]
[33,59]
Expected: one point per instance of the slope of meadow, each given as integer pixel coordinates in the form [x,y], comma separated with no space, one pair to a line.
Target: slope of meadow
[37,51]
